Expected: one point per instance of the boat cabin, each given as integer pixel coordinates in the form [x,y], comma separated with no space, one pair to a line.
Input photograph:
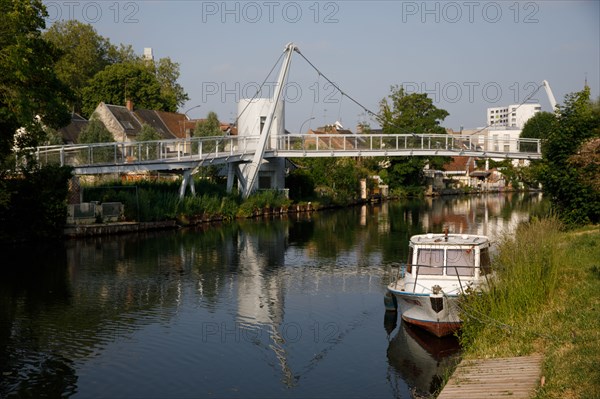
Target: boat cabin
[448,256]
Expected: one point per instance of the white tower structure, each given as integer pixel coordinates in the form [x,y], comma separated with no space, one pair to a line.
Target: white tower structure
[252,115]
[265,122]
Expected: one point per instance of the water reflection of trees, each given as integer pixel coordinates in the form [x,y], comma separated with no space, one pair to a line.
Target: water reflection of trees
[35,282]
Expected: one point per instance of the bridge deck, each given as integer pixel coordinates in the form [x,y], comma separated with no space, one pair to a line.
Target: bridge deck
[185,154]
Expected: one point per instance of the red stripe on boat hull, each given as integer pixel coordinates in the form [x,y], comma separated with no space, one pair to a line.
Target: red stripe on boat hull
[437,328]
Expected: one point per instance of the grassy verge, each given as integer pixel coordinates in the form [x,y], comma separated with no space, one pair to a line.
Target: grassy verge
[546,300]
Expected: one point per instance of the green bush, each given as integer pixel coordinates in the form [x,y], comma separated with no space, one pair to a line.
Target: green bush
[33,205]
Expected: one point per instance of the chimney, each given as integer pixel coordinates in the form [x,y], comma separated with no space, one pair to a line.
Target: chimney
[129,105]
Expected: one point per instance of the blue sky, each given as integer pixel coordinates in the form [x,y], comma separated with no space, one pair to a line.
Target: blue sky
[467,55]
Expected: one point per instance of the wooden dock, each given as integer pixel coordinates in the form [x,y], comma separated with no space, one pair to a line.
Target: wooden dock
[514,377]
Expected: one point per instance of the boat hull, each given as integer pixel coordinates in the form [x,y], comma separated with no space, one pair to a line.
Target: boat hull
[435,314]
[438,328]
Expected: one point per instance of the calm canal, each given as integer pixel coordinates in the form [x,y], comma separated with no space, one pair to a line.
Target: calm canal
[285,308]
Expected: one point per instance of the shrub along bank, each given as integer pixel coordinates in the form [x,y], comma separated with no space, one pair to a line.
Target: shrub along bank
[147,201]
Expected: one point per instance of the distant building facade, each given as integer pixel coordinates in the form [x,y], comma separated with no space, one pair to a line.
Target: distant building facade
[513,116]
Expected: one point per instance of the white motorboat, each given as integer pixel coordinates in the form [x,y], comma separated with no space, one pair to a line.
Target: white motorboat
[440,268]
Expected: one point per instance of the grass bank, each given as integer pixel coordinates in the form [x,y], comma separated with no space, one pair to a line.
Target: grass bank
[546,300]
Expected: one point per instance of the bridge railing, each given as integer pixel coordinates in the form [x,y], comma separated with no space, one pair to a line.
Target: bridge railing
[404,142]
[197,149]
[145,151]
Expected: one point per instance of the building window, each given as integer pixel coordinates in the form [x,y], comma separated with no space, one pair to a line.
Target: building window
[264,182]
[263,119]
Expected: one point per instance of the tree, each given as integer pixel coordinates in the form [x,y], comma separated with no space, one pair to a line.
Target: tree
[539,126]
[301,185]
[208,127]
[587,161]
[31,95]
[564,173]
[167,73]
[403,113]
[95,132]
[124,81]
[84,54]
[148,133]
[410,113]
[138,81]
[53,137]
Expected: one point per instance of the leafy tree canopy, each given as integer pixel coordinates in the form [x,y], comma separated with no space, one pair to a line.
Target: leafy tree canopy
[410,113]
[568,154]
[209,126]
[402,113]
[148,133]
[84,53]
[539,126]
[95,132]
[137,81]
[167,73]
[30,92]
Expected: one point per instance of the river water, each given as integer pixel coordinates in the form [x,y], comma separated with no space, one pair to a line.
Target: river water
[281,308]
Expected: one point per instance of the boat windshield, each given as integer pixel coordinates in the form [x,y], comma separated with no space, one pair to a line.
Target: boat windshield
[460,261]
[430,261]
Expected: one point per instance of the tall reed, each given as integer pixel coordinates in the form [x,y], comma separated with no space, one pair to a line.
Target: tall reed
[525,278]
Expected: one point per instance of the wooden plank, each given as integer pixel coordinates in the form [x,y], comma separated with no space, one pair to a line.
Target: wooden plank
[515,377]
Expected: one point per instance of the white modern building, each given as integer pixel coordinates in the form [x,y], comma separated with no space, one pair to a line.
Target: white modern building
[513,116]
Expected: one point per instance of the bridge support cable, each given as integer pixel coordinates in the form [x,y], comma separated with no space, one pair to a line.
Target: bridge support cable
[368,111]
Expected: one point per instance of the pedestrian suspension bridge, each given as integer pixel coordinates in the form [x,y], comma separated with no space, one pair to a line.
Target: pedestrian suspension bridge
[262,140]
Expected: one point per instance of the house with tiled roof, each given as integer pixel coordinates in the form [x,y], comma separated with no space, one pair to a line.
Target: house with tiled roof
[125,122]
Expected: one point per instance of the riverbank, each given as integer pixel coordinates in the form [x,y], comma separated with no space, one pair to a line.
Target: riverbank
[546,302]
[243,212]
[123,227]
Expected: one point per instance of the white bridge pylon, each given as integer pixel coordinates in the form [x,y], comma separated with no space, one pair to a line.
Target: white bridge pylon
[247,173]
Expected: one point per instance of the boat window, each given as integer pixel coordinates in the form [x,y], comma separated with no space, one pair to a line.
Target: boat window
[485,263]
[430,261]
[461,262]
[409,261]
